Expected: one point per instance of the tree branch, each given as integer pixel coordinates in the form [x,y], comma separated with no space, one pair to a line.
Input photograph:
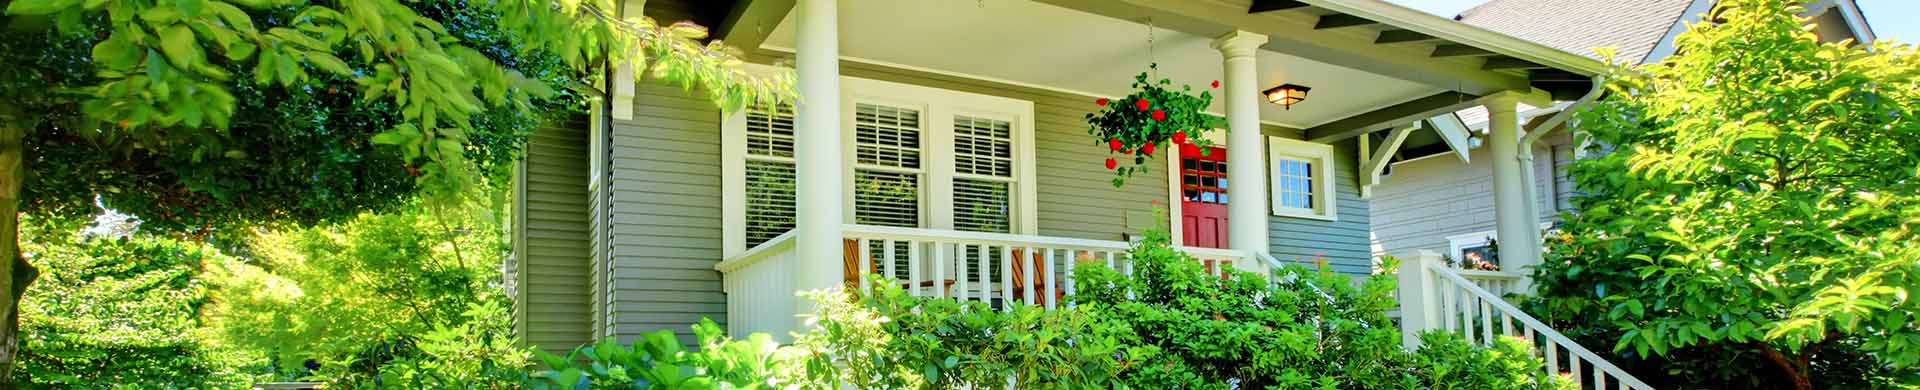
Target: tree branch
[1794,372]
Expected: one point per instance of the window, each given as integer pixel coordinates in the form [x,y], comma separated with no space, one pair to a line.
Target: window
[1473,251]
[769,172]
[1301,177]
[914,156]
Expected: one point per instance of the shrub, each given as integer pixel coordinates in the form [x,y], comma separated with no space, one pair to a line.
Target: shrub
[113,311]
[658,361]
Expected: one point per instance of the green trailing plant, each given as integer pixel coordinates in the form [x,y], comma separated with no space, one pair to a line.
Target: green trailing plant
[1749,218]
[1152,117]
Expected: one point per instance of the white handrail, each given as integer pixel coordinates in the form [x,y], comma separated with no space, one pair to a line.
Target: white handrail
[780,243]
[1455,308]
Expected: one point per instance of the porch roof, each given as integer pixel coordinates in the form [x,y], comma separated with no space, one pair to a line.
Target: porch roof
[1371,63]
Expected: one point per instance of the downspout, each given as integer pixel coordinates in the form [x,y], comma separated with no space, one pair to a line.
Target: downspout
[1528,176]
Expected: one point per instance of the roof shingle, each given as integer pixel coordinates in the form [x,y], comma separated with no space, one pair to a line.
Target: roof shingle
[1579,26]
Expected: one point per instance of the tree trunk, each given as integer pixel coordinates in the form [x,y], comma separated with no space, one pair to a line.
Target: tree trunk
[15,272]
[1802,380]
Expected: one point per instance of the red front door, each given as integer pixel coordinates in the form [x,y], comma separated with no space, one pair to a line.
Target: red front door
[1203,199]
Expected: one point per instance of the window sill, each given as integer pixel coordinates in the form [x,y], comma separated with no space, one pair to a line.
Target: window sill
[1305,214]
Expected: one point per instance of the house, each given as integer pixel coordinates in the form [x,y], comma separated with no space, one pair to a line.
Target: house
[1441,199]
[942,143]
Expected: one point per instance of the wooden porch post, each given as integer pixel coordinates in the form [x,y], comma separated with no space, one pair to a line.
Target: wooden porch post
[1419,300]
[1246,147]
[817,151]
[1517,227]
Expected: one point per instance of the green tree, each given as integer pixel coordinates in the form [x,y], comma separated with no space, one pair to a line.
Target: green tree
[1753,211]
[352,296]
[212,116]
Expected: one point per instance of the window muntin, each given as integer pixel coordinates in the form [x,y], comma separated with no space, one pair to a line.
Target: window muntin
[1300,179]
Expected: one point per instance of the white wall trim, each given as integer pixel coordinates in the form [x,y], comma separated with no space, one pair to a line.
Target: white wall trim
[1326,198]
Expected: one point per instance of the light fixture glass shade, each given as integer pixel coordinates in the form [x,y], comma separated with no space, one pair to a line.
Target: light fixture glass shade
[1287,95]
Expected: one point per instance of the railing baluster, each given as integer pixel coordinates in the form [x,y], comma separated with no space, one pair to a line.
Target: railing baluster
[986,277]
[1599,379]
[1506,325]
[1447,300]
[960,271]
[1129,273]
[864,266]
[938,283]
[1553,358]
[913,268]
[1006,277]
[1046,274]
[1486,321]
[1573,363]
[892,269]
[1073,256]
[1026,269]
[1466,314]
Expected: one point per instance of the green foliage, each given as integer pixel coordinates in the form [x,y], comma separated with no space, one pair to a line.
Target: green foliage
[354,296]
[657,361]
[1446,361]
[1153,117]
[114,311]
[889,339]
[1756,212]
[298,154]
[477,353]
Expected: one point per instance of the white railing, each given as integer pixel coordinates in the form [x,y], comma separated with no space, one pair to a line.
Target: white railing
[1434,296]
[994,268]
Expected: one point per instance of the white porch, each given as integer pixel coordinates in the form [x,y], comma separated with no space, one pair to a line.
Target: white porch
[1378,71]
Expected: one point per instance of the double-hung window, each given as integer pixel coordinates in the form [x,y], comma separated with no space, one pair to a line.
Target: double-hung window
[1300,174]
[914,157]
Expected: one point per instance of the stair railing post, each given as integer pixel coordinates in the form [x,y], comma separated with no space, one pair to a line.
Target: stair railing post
[1419,298]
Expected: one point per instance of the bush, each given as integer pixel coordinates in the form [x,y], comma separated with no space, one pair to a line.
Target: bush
[113,311]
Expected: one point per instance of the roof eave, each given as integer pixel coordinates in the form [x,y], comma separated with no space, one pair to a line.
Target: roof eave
[1465,34]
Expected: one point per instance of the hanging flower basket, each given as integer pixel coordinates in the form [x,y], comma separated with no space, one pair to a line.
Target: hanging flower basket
[1148,121]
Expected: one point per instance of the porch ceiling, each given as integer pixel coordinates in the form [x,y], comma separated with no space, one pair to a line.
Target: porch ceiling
[1049,46]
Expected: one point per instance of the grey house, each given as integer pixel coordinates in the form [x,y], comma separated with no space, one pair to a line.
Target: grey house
[942,144]
[1440,198]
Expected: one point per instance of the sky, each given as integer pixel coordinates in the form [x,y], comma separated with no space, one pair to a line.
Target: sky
[1883,15]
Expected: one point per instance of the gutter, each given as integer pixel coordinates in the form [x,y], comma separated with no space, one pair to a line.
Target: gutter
[1528,177]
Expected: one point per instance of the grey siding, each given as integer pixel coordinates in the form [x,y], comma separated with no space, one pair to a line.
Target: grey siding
[664,225]
[1076,197]
[550,240]
[1426,200]
[1342,244]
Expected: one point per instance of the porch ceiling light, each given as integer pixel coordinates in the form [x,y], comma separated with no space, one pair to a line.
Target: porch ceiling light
[1287,95]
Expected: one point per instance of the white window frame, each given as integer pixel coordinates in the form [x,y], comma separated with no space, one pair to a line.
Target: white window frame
[938,107]
[1460,242]
[1325,199]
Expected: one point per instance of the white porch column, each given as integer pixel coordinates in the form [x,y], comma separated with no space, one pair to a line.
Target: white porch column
[1515,224]
[1246,147]
[817,159]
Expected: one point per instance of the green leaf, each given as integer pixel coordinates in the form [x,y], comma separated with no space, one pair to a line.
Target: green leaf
[177,43]
[39,7]
[190,8]
[116,53]
[328,62]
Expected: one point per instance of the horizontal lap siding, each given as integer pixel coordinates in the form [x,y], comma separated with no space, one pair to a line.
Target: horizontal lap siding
[552,302]
[665,214]
[1076,197]
[1343,243]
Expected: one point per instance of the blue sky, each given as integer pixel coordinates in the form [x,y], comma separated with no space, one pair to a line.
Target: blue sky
[1883,15]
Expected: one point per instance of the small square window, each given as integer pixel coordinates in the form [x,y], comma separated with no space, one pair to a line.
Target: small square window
[1299,179]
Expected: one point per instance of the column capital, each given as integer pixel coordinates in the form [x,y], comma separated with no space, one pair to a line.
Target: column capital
[1505,100]
[1238,43]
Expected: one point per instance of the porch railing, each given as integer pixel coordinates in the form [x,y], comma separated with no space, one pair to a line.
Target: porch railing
[995,268]
[1434,296]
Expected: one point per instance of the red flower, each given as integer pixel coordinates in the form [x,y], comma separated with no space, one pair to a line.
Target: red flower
[1179,137]
[1159,115]
[1190,150]
[1114,144]
[1126,151]
[1112,163]
[1216,83]
[1141,104]
[1146,149]
[1101,101]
